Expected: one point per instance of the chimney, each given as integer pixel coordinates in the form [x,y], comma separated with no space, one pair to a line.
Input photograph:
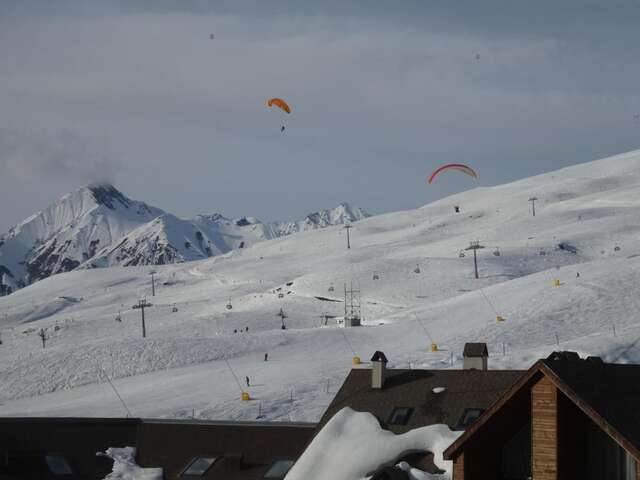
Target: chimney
[475,356]
[378,370]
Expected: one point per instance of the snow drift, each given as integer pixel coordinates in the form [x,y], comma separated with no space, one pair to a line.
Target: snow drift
[352,445]
[126,468]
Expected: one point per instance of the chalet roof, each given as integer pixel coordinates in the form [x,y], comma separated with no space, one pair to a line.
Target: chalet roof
[475,350]
[414,389]
[245,449]
[379,357]
[608,393]
[610,390]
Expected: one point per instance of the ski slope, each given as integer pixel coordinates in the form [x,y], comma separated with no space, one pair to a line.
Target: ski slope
[193,364]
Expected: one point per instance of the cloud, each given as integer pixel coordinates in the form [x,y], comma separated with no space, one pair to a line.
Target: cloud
[39,156]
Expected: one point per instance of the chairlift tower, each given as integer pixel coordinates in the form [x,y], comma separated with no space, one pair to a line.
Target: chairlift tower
[475,246]
[282,316]
[533,205]
[347,228]
[141,305]
[352,306]
[153,283]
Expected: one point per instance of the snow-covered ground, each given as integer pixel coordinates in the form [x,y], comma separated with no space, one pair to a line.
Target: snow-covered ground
[180,369]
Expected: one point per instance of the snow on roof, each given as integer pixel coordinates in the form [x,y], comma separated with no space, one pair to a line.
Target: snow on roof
[126,468]
[352,445]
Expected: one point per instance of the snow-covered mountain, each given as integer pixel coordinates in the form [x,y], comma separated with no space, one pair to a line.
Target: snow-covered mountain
[168,239]
[342,214]
[68,233]
[98,226]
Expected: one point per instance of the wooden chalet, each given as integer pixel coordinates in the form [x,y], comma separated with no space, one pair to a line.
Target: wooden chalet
[566,418]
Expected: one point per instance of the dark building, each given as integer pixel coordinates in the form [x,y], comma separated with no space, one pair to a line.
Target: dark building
[65,448]
[565,418]
[54,448]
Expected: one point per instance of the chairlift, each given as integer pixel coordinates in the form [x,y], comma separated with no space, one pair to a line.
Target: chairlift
[229,306]
[496,252]
[281,295]
[461,254]
[417,269]
[331,289]
[174,309]
[616,248]
[376,276]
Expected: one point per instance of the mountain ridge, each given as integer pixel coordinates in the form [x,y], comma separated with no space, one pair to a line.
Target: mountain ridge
[98,226]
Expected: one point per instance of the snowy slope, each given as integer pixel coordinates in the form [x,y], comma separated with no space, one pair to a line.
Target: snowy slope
[587,222]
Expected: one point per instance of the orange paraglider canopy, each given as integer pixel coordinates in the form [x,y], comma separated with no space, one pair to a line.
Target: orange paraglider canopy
[278,102]
[452,166]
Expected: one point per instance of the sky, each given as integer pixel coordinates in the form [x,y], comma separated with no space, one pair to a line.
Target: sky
[135,93]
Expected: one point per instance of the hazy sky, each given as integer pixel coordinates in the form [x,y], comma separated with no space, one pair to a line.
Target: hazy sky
[135,93]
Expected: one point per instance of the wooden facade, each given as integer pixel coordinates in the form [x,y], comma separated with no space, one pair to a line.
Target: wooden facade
[458,467]
[544,431]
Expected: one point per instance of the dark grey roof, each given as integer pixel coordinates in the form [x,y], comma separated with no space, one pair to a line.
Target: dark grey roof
[379,357]
[475,350]
[566,356]
[414,388]
[246,449]
[612,390]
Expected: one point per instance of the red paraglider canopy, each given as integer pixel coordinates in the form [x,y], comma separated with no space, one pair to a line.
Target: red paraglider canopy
[452,166]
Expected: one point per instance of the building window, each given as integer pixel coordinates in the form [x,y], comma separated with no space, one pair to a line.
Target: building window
[400,415]
[278,469]
[58,465]
[468,417]
[199,466]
